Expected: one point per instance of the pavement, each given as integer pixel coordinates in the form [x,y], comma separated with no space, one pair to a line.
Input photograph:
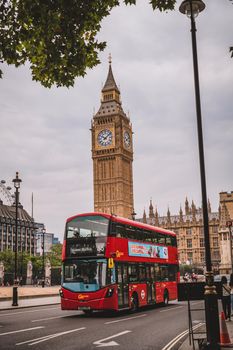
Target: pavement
[200,332]
[29,296]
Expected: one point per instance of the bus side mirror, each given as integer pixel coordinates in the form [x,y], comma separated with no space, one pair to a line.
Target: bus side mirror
[110,263]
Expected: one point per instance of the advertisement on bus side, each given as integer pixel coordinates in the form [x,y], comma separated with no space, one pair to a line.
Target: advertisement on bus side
[147,250]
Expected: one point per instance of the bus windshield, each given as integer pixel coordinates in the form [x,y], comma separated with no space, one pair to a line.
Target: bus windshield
[91,272]
[87,226]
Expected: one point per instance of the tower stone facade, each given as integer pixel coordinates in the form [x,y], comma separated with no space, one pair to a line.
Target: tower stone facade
[112,153]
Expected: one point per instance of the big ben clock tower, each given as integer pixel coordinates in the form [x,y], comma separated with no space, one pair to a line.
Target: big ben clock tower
[112,153]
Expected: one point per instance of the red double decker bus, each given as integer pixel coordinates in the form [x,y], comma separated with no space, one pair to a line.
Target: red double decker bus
[114,263]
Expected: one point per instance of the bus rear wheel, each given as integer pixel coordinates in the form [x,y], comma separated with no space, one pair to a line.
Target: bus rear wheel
[134,303]
[165,298]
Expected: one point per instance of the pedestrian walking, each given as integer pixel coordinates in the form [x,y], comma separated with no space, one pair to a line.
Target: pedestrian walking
[231,285]
[194,277]
[226,298]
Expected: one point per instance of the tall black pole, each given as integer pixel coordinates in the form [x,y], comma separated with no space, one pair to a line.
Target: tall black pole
[16,235]
[15,287]
[211,300]
[43,265]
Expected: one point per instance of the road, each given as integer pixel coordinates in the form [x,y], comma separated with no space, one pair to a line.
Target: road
[50,328]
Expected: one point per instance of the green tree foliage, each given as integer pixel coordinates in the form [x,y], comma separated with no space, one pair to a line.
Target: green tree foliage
[7,257]
[56,37]
[55,255]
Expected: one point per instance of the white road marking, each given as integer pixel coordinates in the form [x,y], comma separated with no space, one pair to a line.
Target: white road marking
[48,337]
[24,312]
[175,340]
[21,330]
[101,343]
[172,308]
[28,341]
[125,319]
[52,318]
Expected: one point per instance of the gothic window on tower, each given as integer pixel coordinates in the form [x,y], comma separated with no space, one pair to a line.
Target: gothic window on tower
[188,231]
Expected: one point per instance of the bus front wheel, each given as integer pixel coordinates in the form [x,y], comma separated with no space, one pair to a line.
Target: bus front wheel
[134,303]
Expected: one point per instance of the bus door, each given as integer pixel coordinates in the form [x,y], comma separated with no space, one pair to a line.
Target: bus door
[123,286]
[150,284]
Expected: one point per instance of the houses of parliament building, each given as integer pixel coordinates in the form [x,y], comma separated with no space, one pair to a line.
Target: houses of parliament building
[112,154]
[188,225]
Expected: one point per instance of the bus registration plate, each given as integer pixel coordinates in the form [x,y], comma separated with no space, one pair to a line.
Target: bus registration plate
[84,308]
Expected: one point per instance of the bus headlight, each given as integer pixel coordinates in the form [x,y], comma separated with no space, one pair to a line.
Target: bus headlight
[109,293]
[61,293]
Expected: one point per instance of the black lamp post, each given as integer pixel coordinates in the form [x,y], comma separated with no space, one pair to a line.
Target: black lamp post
[192,8]
[16,182]
[43,265]
[133,214]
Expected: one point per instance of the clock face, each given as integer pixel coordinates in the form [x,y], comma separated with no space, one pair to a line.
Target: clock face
[126,139]
[105,137]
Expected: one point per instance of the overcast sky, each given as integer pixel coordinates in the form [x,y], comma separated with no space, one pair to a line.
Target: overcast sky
[45,132]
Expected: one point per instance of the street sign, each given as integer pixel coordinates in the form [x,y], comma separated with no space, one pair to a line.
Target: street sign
[195,290]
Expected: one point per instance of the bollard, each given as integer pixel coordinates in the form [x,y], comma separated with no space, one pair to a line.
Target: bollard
[15,296]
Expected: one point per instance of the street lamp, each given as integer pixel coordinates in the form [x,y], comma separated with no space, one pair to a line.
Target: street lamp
[16,182]
[192,8]
[43,265]
[133,214]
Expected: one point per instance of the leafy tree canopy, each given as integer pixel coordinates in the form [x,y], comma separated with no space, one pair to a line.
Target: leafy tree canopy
[55,255]
[56,37]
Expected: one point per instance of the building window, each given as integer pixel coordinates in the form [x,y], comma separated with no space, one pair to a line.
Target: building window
[202,256]
[216,255]
[189,243]
[215,229]
[215,242]
[202,242]
[188,231]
